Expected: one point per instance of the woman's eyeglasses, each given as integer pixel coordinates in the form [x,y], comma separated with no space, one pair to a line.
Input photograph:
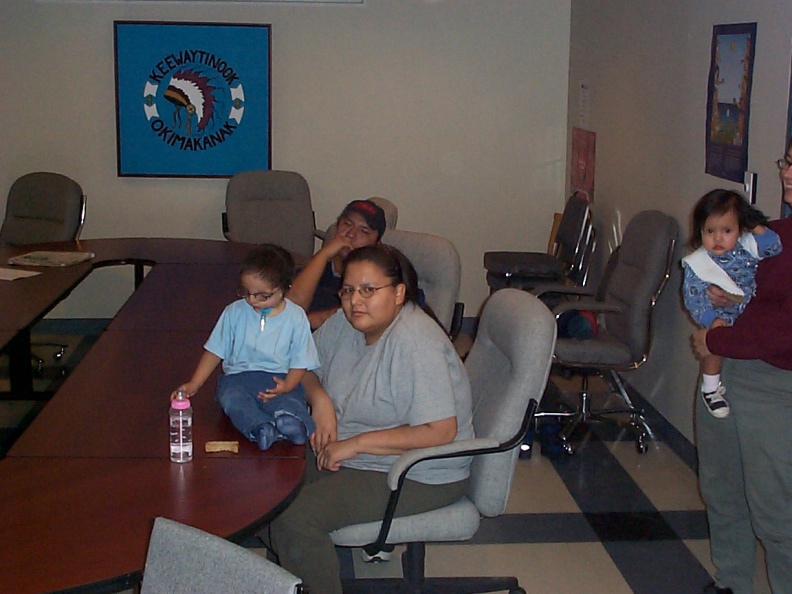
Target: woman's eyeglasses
[345,294]
[783,164]
[245,294]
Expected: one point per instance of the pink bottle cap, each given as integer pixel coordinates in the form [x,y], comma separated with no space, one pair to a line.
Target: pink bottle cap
[180,403]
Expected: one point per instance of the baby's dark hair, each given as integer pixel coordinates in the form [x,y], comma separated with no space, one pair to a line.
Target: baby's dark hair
[270,263]
[719,202]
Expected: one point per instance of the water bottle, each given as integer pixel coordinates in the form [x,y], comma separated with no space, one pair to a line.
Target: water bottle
[181,440]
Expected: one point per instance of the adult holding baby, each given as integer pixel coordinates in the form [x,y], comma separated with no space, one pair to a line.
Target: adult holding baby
[745,459]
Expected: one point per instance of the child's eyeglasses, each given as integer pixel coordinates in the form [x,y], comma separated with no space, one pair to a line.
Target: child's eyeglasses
[345,294]
[245,294]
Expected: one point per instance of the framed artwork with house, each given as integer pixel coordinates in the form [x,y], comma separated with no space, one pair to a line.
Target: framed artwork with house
[729,100]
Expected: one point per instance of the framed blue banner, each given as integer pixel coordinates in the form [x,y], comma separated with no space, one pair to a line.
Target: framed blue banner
[192,99]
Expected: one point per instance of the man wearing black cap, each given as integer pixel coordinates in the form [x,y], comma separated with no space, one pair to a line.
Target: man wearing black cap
[315,288]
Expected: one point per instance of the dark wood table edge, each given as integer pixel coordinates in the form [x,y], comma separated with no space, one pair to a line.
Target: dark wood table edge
[134,579]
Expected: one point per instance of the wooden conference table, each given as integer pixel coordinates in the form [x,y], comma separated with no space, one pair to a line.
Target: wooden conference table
[81,487]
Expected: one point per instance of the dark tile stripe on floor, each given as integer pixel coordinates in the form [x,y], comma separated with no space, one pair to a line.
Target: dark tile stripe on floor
[640,539]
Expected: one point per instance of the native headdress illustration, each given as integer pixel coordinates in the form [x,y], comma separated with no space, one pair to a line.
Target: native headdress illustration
[191,91]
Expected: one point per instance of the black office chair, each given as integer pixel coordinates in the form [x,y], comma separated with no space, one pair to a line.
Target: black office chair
[270,206]
[568,261]
[635,275]
[43,207]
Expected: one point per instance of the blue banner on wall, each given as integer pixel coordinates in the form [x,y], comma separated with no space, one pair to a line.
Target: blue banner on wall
[192,99]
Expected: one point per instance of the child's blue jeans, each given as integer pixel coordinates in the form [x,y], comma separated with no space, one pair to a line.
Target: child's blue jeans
[238,395]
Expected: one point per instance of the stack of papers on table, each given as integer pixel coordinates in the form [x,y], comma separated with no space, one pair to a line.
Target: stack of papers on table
[8,274]
[50,258]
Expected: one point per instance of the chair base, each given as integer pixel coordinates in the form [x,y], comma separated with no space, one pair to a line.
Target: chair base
[470,585]
[584,414]
[414,581]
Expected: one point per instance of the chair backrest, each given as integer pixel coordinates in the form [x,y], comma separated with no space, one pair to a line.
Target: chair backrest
[573,230]
[508,365]
[390,210]
[437,263]
[270,206]
[184,559]
[43,207]
[635,275]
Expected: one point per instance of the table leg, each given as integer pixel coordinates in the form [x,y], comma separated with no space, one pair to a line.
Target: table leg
[20,371]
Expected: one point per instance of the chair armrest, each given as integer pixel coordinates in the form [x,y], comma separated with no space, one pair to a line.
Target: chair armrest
[587,305]
[456,320]
[561,289]
[465,447]
[224,223]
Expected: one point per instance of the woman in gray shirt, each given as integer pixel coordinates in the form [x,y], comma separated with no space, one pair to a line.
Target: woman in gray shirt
[389,381]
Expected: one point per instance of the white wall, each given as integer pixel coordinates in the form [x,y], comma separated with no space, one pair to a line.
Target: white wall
[647,65]
[455,110]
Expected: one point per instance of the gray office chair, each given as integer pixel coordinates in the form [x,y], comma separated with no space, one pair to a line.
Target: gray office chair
[508,367]
[184,559]
[270,206]
[569,261]
[437,263]
[635,275]
[43,207]
[389,208]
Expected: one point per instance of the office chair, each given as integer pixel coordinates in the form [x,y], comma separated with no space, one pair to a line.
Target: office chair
[568,259]
[508,367]
[43,207]
[437,263]
[389,208]
[635,275]
[184,559]
[270,206]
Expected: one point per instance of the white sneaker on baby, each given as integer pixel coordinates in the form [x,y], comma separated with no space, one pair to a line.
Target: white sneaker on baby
[717,405]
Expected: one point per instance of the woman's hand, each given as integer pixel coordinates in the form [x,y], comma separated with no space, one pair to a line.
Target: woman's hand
[324,415]
[331,456]
[698,342]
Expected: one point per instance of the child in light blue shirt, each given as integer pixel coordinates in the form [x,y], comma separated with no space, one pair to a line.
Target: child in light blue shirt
[265,345]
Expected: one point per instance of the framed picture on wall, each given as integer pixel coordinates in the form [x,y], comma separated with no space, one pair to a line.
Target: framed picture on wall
[729,100]
[192,99]
[584,144]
